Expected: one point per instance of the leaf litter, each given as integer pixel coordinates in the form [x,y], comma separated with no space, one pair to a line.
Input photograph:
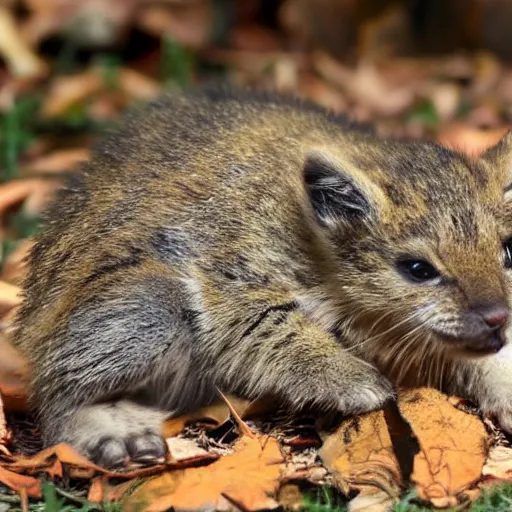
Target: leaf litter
[234,454]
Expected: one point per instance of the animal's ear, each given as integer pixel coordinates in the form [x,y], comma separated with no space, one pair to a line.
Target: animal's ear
[336,194]
[499,157]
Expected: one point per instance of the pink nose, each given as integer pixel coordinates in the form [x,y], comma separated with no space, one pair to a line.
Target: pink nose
[496,317]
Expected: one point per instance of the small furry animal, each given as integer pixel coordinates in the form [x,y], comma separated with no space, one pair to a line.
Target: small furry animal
[259,245]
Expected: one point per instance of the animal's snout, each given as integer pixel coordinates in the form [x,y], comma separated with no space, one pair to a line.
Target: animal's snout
[494,315]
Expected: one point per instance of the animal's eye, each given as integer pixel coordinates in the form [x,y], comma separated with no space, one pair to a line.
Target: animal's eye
[418,271]
[507,253]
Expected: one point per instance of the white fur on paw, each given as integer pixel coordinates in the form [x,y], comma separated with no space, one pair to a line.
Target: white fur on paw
[112,434]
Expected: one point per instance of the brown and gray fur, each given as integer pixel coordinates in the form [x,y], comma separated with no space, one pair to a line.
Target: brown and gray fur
[250,243]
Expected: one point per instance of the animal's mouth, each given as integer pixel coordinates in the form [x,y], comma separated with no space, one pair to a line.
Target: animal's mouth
[481,345]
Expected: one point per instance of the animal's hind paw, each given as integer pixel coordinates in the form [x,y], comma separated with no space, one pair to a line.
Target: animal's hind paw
[114,434]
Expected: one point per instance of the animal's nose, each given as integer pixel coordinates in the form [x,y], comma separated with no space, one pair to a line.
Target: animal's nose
[494,315]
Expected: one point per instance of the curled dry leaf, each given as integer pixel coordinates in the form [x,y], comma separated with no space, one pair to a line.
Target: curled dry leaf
[249,478]
[20,58]
[441,449]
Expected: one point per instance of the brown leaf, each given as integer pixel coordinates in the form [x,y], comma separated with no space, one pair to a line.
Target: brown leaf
[97,490]
[361,452]
[189,23]
[14,376]
[138,86]
[214,415]
[379,449]
[20,58]
[66,91]
[57,161]
[21,483]
[45,459]
[453,446]
[9,297]
[247,478]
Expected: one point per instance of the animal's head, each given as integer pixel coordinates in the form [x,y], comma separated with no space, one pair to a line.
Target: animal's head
[423,252]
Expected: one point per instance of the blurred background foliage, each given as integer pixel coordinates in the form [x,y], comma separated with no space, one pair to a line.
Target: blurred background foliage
[69,68]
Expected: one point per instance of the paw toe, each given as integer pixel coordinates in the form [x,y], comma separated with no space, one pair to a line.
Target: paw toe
[110,452]
[147,448]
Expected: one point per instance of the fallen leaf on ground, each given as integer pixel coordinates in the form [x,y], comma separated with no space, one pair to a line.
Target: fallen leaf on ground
[57,161]
[20,58]
[213,415]
[441,449]
[499,463]
[67,91]
[14,376]
[21,483]
[453,446]
[247,478]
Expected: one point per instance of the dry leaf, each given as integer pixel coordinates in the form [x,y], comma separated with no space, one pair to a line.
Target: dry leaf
[20,483]
[57,161]
[189,23]
[184,449]
[9,297]
[248,478]
[453,446]
[14,376]
[67,91]
[378,450]
[138,86]
[215,415]
[97,490]
[361,452]
[499,463]
[366,85]
[21,60]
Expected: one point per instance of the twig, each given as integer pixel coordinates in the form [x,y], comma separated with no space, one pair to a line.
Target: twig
[240,422]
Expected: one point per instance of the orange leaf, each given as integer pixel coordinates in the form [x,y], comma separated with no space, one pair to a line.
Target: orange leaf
[14,375]
[215,414]
[453,446]
[248,478]
[96,491]
[67,91]
[379,449]
[19,483]
[62,452]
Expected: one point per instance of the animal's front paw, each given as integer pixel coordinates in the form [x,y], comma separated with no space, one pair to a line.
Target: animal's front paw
[344,384]
[114,434]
